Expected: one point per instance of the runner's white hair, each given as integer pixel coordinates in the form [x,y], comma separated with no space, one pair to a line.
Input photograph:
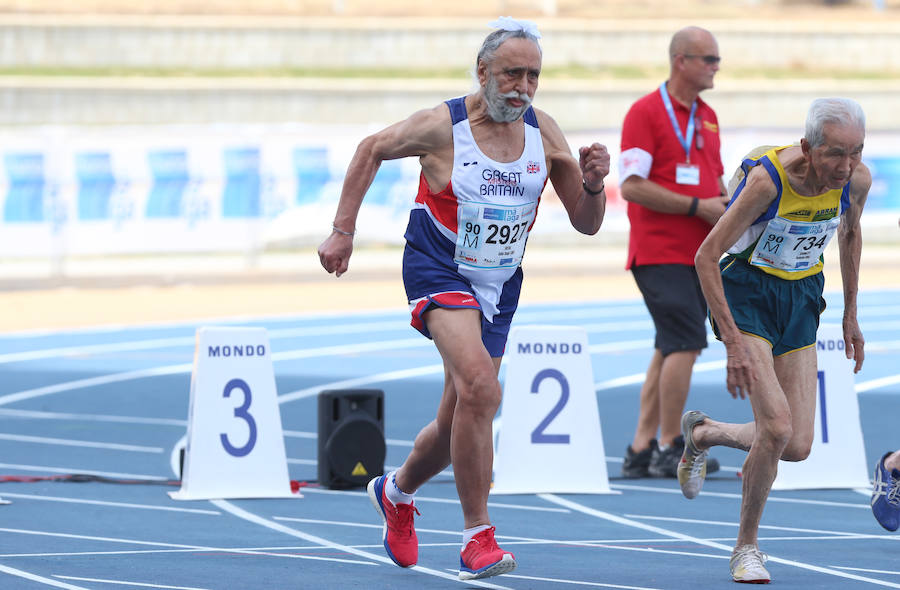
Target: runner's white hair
[822,111]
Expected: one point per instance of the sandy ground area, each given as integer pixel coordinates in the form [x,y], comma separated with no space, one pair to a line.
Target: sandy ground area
[372,283]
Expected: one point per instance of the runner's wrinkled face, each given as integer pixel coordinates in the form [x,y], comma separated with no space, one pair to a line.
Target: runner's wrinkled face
[510,79]
[838,156]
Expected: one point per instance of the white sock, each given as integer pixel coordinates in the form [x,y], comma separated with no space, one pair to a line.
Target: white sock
[469,533]
[394,493]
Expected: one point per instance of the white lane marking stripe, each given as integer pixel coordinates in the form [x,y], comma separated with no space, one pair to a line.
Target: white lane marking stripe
[93,417]
[181,546]
[604,544]
[307,353]
[445,501]
[577,582]
[378,327]
[76,470]
[94,381]
[347,383]
[250,517]
[455,534]
[369,327]
[735,524]
[80,443]
[124,583]
[35,578]
[862,569]
[877,383]
[639,377]
[113,504]
[667,533]
[620,486]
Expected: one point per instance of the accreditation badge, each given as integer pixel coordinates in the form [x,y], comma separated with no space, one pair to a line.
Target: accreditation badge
[687,174]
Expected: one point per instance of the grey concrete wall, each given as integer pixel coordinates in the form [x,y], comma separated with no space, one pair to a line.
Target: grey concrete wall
[172,42]
[575,106]
[184,41]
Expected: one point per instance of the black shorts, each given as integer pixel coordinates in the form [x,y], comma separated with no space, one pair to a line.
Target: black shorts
[675,301]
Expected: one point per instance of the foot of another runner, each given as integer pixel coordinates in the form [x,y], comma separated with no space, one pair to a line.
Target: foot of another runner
[747,565]
[692,467]
[886,495]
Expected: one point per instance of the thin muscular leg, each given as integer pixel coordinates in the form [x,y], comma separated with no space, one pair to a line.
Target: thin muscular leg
[431,450]
[473,375]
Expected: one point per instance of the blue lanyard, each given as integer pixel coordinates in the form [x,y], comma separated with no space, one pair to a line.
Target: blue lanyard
[688,138]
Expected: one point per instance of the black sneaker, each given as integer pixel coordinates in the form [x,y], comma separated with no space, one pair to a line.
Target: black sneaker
[664,463]
[636,464]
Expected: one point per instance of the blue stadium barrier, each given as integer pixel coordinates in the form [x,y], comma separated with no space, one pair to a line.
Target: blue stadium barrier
[390,173]
[169,169]
[95,185]
[25,197]
[311,169]
[241,197]
[885,191]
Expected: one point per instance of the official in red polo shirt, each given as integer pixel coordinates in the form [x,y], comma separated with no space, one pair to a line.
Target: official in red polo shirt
[670,173]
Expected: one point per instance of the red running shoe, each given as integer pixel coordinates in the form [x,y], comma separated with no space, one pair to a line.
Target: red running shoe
[482,558]
[399,533]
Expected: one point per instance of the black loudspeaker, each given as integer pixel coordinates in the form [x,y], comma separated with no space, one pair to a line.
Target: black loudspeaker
[351,437]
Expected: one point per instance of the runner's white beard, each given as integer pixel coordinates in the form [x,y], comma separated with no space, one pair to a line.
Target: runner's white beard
[498,109]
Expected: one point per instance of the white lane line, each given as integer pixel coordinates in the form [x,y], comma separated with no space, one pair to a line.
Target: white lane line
[426,499]
[35,578]
[877,383]
[181,546]
[76,470]
[599,543]
[575,582]
[89,349]
[735,524]
[883,346]
[190,341]
[90,417]
[377,327]
[639,488]
[381,326]
[357,382]
[667,533]
[94,381]
[124,583]
[256,519]
[455,533]
[862,569]
[112,504]
[66,442]
[639,377]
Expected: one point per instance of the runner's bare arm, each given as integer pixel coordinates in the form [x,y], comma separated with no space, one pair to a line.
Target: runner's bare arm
[754,199]
[850,248]
[426,134]
[569,176]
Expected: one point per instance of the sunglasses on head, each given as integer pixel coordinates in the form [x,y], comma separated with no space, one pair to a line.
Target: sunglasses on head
[707,59]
